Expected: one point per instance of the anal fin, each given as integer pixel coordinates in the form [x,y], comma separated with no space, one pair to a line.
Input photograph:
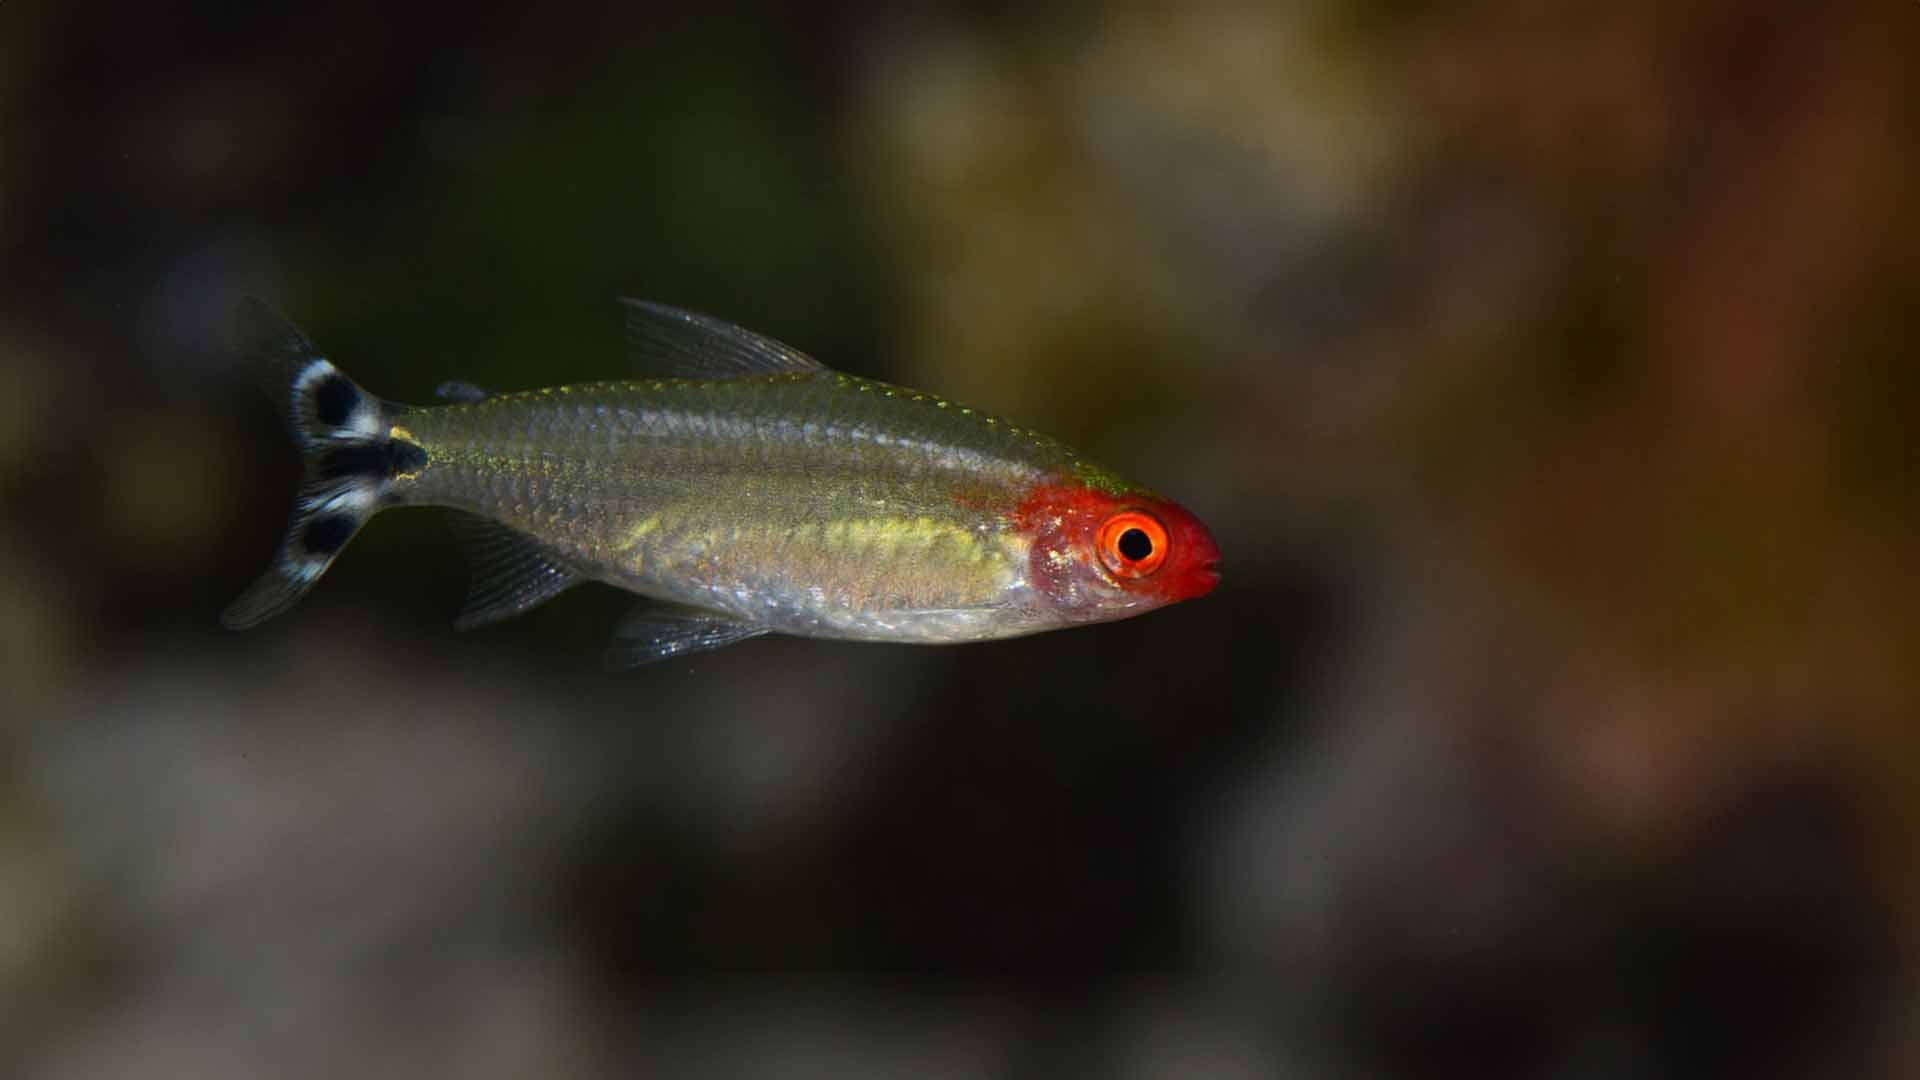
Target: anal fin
[512,573]
[658,631]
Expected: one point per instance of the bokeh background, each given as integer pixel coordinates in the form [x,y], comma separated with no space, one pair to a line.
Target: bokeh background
[1546,371]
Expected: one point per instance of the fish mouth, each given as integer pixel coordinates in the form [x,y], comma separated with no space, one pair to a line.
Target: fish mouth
[1208,573]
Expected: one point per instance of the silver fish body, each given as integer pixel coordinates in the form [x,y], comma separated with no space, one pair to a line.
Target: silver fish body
[756,492]
[811,503]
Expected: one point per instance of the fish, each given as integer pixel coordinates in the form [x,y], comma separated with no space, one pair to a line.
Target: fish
[739,487]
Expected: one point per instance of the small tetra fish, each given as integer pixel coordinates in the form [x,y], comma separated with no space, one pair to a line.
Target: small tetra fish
[754,491]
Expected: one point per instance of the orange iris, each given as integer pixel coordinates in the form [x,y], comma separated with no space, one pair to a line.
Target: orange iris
[1132,544]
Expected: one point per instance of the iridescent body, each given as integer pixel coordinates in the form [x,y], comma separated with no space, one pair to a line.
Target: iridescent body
[816,504]
[797,500]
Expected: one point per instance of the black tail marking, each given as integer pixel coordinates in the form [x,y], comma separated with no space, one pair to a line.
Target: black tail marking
[378,460]
[327,535]
[334,399]
[352,457]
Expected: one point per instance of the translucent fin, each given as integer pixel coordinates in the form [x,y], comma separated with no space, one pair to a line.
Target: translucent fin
[265,339]
[271,593]
[656,632]
[460,393]
[683,343]
[512,573]
[328,513]
[350,460]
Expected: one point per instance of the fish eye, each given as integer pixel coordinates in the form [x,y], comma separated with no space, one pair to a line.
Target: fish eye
[1132,544]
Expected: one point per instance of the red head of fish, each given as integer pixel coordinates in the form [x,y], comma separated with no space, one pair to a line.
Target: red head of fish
[1097,554]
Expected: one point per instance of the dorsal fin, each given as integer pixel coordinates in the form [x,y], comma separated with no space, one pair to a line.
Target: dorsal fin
[660,631]
[699,346]
[512,573]
[459,392]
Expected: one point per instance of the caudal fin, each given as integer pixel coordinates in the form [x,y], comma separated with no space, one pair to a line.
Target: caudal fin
[343,434]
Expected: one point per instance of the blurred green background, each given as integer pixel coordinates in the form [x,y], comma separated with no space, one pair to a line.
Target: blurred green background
[1545,371]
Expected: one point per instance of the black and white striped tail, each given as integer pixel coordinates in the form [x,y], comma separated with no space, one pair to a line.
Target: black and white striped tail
[351,461]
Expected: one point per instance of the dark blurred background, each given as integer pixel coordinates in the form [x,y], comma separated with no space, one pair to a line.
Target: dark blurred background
[1546,372]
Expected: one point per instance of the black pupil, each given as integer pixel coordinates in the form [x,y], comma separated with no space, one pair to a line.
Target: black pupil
[1135,545]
